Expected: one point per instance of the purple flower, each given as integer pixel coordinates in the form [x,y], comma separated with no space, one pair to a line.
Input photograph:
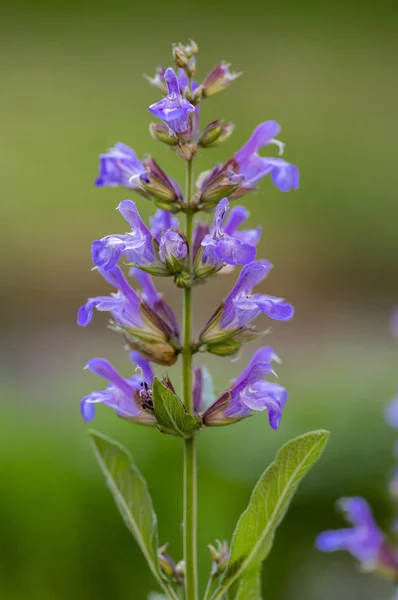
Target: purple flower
[365,540]
[131,398]
[254,167]
[124,305]
[173,246]
[223,244]
[218,79]
[147,323]
[160,222]
[120,166]
[391,413]
[136,245]
[174,109]
[250,393]
[241,306]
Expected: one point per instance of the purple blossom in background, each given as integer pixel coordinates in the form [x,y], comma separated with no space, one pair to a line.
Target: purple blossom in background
[136,245]
[120,166]
[254,167]
[126,397]
[394,324]
[250,393]
[174,109]
[364,540]
[219,247]
[391,413]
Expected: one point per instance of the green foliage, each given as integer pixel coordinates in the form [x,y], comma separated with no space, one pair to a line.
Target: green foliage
[255,530]
[130,492]
[171,414]
[249,585]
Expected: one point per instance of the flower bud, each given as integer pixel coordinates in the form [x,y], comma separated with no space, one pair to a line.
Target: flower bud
[192,48]
[226,348]
[197,94]
[220,557]
[191,67]
[180,56]
[180,569]
[215,134]
[158,80]
[166,563]
[159,352]
[218,183]
[173,250]
[218,79]
[161,133]
[154,340]
[161,187]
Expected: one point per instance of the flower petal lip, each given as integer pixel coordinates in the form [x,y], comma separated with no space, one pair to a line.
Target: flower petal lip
[263,135]
[253,167]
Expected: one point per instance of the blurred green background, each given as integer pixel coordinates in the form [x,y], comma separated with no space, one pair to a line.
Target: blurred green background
[72,86]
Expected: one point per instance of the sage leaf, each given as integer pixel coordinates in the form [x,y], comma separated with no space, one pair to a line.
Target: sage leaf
[130,492]
[248,587]
[255,530]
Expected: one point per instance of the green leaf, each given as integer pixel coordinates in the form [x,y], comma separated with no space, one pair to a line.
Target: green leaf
[248,587]
[130,492]
[170,412]
[132,498]
[255,530]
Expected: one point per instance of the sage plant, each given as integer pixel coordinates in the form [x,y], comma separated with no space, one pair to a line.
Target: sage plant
[192,237]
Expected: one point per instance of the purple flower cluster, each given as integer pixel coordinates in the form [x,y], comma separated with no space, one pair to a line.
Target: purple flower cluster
[146,322]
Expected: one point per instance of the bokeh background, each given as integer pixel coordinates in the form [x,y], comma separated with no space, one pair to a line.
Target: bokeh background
[72,85]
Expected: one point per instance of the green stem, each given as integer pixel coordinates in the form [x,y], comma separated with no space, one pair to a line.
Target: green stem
[208,588]
[190,501]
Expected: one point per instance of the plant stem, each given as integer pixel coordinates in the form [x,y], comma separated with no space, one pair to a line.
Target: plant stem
[190,510]
[208,588]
